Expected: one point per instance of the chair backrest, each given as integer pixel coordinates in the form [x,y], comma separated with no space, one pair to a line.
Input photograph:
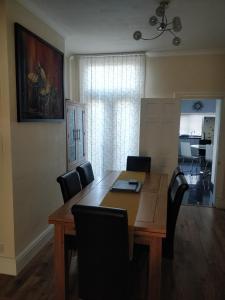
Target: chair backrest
[86,173]
[208,152]
[177,171]
[103,252]
[139,163]
[175,197]
[185,149]
[70,184]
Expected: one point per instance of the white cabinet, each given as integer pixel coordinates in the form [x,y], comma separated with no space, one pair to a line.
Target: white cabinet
[76,141]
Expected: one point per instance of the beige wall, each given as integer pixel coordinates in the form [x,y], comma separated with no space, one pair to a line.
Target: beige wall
[187,74]
[38,148]
[6,197]
[196,76]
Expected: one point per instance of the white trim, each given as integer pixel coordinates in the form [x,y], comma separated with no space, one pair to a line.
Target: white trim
[25,256]
[186,52]
[198,95]
[7,266]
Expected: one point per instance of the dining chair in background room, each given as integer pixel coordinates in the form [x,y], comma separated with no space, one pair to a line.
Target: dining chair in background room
[70,186]
[86,173]
[186,154]
[178,188]
[206,173]
[138,163]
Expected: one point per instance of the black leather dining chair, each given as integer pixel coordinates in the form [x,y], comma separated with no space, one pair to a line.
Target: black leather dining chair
[175,197]
[138,163]
[70,184]
[177,171]
[103,252]
[86,173]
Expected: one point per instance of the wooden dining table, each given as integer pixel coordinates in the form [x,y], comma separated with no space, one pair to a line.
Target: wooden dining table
[149,227]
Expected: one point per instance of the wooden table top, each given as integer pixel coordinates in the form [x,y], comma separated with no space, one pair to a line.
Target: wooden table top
[152,211]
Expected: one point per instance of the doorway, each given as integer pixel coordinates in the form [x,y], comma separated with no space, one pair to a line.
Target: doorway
[198,142]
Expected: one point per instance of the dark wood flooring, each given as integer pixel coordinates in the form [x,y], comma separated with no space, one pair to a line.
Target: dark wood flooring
[196,273]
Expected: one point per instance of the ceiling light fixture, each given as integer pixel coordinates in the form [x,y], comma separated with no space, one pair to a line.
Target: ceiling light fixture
[162,25]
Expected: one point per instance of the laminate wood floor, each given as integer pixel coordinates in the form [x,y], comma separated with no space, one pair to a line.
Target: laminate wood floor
[196,273]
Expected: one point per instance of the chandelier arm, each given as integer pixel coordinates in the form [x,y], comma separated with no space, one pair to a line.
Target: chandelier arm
[170,30]
[155,37]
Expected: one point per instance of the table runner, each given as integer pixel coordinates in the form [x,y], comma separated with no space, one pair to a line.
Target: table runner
[126,200]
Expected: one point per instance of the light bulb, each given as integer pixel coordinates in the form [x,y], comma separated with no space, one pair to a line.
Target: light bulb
[137,35]
[176,41]
[177,26]
[153,20]
[160,11]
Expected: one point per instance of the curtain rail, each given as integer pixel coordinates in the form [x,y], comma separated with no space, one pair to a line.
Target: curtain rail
[110,54]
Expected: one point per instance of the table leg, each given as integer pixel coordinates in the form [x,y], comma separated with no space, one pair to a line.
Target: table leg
[59,264]
[155,254]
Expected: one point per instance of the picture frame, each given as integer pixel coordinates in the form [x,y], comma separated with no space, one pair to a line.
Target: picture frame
[39,78]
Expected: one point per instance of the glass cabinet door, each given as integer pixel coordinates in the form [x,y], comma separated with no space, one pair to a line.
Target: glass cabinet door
[80,133]
[71,135]
[75,125]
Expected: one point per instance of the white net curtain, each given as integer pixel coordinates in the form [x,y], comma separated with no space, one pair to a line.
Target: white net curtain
[112,87]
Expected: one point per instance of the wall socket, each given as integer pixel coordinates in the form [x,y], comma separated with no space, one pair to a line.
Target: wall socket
[2,248]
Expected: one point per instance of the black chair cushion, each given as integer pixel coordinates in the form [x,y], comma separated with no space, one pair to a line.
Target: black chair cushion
[70,184]
[86,173]
[139,163]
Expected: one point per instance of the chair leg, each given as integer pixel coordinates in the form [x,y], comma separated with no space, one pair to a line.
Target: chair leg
[167,250]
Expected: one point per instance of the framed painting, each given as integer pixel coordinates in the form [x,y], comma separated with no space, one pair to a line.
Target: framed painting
[39,76]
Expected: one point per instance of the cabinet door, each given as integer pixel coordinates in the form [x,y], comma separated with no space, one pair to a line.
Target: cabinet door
[71,135]
[75,134]
[80,132]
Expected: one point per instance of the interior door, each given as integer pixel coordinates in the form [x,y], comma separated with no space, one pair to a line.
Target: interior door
[159,132]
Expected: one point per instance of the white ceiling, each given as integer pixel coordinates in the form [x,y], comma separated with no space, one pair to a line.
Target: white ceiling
[107,26]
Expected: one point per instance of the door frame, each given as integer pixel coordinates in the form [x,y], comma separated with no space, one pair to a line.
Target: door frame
[218,191]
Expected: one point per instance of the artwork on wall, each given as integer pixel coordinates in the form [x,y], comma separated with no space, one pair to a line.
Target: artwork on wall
[39,75]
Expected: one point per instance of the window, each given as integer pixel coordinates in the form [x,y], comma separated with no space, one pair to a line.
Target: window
[191,124]
[112,87]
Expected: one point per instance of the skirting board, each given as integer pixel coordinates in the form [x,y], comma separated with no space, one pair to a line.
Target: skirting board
[7,266]
[33,248]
